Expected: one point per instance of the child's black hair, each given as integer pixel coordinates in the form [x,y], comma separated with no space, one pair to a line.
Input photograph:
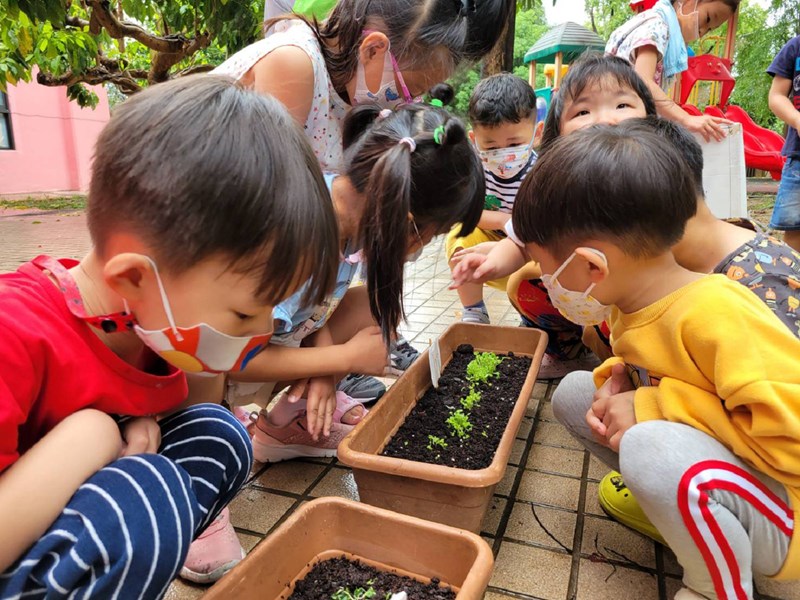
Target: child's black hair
[617,183]
[199,167]
[420,32]
[443,92]
[592,67]
[438,184]
[688,147]
[502,98]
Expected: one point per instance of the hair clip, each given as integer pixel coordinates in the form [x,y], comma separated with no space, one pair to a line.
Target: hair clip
[437,102]
[438,135]
[384,113]
[408,141]
[465,7]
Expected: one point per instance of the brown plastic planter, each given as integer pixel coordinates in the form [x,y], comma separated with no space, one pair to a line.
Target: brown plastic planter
[453,496]
[330,527]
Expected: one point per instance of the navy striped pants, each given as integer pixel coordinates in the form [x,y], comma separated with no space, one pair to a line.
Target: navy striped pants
[126,531]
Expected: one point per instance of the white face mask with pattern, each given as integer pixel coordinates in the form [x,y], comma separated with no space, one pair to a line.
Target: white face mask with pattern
[578,307]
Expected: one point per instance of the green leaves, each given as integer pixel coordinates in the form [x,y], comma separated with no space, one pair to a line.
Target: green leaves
[459,424]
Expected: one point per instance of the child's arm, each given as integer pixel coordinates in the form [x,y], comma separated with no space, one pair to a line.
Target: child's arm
[36,488]
[365,353]
[493,220]
[296,93]
[504,259]
[706,125]
[780,103]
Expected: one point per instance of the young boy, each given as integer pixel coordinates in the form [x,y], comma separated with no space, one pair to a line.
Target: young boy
[709,441]
[784,101]
[195,185]
[502,111]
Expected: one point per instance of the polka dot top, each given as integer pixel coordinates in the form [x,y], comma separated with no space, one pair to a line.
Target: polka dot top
[323,125]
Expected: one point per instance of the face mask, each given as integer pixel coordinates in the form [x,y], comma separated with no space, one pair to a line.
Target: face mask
[199,349]
[578,307]
[506,162]
[387,95]
[694,32]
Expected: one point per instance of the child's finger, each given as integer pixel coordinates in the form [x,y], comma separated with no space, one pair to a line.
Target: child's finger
[330,407]
[297,390]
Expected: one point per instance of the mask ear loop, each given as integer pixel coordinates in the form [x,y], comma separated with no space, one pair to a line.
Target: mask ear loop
[165,301]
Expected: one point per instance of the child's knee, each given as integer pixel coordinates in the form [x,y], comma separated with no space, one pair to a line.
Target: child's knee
[573,397]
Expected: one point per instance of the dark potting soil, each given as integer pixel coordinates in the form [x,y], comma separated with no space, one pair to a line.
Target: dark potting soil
[489,418]
[328,577]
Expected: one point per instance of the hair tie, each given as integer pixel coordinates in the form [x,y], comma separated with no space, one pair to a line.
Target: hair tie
[465,7]
[384,113]
[436,102]
[438,135]
[408,141]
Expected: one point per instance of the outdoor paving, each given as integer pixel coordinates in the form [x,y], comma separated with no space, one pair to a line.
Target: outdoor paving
[550,538]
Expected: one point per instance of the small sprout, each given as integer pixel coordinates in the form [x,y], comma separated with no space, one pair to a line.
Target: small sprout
[356,594]
[471,400]
[459,424]
[436,441]
[405,443]
[483,366]
[484,434]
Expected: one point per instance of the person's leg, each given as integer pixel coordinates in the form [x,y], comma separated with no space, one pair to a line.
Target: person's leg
[470,294]
[724,520]
[126,531]
[786,213]
[571,401]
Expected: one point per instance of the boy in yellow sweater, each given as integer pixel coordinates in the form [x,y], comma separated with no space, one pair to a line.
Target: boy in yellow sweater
[709,441]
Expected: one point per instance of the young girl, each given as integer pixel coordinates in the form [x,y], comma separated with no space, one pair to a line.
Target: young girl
[409,176]
[597,89]
[654,42]
[384,51]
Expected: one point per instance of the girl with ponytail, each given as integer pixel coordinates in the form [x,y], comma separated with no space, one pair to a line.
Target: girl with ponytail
[408,176]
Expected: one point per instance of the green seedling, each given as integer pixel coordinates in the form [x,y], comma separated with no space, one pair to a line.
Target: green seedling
[434,440]
[483,367]
[471,400]
[356,594]
[459,424]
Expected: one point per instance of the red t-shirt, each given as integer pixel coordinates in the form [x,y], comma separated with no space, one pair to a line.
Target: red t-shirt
[52,364]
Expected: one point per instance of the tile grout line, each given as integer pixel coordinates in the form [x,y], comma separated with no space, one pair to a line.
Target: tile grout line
[577,540]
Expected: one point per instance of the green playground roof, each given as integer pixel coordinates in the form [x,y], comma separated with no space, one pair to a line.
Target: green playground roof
[569,38]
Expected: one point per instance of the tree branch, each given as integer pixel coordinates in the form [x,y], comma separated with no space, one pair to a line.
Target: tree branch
[194,70]
[95,76]
[117,29]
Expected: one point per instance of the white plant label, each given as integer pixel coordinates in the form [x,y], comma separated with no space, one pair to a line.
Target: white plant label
[435,359]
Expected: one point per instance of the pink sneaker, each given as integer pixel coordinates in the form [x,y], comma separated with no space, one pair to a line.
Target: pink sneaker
[215,552]
[274,444]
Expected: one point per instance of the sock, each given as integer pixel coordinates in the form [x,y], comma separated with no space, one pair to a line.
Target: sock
[475,313]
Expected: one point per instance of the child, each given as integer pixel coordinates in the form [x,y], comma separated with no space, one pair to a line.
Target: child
[596,89]
[168,286]
[654,42]
[502,111]
[409,175]
[784,101]
[708,442]
[767,266]
[381,51]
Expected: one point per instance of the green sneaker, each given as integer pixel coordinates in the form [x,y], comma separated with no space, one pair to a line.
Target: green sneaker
[618,503]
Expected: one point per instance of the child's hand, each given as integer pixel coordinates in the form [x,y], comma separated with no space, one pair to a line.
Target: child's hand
[620,415]
[320,405]
[616,384]
[482,248]
[368,352]
[473,268]
[142,435]
[707,126]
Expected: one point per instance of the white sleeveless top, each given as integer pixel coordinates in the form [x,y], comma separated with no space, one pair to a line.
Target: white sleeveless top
[323,125]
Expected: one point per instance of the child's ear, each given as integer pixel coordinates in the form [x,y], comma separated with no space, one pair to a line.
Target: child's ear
[471,135]
[538,130]
[598,266]
[375,45]
[128,274]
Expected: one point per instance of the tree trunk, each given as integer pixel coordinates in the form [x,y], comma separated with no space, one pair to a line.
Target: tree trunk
[501,58]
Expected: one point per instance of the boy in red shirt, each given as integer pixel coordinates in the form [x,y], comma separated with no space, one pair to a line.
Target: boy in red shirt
[206,208]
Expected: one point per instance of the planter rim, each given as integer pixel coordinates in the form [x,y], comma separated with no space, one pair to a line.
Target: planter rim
[440,473]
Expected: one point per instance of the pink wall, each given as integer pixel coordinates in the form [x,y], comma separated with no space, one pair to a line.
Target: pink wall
[53,140]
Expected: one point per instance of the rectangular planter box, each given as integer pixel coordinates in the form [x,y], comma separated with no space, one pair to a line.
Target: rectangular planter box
[330,527]
[457,497]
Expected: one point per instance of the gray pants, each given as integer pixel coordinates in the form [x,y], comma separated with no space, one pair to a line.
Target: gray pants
[690,486]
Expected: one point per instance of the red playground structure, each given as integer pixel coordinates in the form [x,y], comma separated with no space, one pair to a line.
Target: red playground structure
[762,147]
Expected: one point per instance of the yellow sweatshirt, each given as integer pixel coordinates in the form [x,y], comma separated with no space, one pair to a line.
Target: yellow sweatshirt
[712,355]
